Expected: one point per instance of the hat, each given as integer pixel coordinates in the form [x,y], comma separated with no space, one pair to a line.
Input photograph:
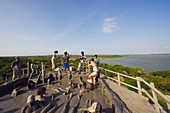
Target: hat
[65,51]
[96,107]
[31,98]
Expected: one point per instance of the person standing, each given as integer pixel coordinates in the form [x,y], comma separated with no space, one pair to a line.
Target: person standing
[81,64]
[65,62]
[16,67]
[54,60]
[97,60]
[33,67]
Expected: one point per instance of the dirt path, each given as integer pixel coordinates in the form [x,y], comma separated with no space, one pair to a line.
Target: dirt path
[136,103]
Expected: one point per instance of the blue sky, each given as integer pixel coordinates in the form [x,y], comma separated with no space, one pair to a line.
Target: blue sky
[38,27]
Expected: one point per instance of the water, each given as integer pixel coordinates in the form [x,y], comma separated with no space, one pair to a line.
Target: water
[149,63]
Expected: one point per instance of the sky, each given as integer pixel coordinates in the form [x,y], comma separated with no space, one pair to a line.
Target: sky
[38,27]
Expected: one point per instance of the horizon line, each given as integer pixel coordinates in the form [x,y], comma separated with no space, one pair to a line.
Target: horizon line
[86,54]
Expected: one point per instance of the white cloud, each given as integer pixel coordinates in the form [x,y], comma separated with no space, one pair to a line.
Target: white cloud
[110,25]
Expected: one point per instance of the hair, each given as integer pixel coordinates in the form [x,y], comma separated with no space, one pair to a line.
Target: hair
[55,51]
[17,58]
[41,91]
[92,59]
[65,53]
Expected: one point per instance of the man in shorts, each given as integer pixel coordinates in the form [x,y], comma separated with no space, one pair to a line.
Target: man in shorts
[81,64]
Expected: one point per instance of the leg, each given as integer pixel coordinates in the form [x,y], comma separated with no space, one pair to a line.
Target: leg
[92,76]
[79,68]
[14,75]
[53,67]
[94,79]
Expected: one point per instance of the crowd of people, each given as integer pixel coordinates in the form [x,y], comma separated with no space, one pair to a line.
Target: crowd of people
[58,64]
[93,64]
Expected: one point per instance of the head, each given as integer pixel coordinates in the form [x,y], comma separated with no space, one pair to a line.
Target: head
[41,91]
[55,52]
[65,53]
[17,58]
[95,56]
[91,60]
[82,53]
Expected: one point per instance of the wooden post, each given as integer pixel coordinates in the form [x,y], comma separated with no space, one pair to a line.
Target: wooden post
[118,78]
[155,98]
[105,72]
[28,69]
[139,86]
[89,69]
[168,104]
[43,72]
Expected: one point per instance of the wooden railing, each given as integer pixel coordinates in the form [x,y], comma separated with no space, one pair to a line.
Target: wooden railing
[25,72]
[140,89]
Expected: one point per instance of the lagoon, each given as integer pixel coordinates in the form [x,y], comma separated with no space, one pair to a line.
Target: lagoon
[149,63]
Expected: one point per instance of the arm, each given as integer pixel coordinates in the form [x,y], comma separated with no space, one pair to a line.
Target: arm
[89,64]
[84,57]
[52,61]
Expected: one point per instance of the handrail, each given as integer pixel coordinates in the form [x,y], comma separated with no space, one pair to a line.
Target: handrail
[140,89]
[124,83]
[118,73]
[157,91]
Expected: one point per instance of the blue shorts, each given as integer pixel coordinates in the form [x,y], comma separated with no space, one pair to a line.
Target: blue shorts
[66,65]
